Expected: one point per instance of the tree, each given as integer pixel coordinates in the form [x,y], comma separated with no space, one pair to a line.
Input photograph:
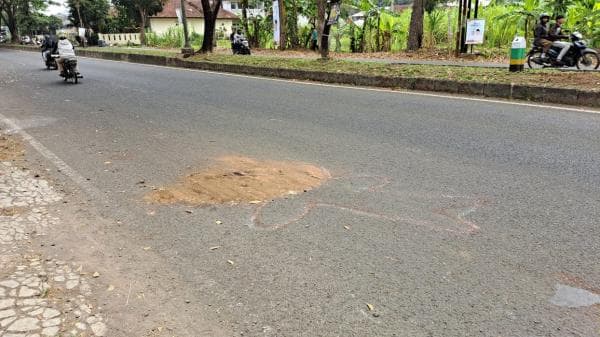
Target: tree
[9,15]
[525,14]
[141,9]
[89,13]
[211,11]
[282,25]
[415,33]
[20,14]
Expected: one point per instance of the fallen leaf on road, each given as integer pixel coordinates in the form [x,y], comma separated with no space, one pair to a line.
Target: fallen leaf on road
[254,202]
[96,275]
[230,262]
[215,247]
[189,211]
[218,222]
[146,248]
[110,288]
[347,227]
[370,306]
[107,163]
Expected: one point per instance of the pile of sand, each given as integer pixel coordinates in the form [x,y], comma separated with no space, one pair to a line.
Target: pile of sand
[241,180]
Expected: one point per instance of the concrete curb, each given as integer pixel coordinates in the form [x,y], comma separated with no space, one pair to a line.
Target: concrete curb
[493,90]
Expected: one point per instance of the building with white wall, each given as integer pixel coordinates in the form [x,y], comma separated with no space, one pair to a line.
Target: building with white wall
[170,18]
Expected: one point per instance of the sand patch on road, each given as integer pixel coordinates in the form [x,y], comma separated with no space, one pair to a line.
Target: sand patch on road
[10,148]
[241,180]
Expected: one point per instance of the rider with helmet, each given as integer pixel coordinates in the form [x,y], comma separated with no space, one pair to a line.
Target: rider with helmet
[65,51]
[556,34]
[542,34]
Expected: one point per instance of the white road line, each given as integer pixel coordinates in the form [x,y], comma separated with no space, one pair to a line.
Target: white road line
[59,163]
[339,86]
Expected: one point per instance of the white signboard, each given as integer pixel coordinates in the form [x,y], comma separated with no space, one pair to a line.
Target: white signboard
[276,22]
[178,13]
[475,31]
[81,32]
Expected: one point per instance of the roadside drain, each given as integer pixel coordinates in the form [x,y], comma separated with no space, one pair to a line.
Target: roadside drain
[236,180]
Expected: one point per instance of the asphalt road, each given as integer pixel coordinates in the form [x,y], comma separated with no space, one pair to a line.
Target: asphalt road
[463,217]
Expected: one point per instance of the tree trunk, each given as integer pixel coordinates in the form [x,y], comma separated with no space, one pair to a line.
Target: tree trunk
[282,26]
[255,39]
[210,19]
[294,38]
[10,9]
[245,18]
[378,32]
[321,24]
[415,34]
[143,27]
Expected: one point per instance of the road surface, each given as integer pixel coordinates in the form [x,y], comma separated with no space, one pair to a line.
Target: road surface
[444,216]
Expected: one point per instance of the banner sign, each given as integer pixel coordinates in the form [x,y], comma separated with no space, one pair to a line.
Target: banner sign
[475,31]
[276,22]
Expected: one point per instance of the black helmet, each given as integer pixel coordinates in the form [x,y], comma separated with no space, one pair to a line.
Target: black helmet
[544,15]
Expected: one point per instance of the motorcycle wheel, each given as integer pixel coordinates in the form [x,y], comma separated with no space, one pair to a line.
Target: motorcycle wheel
[588,61]
[532,58]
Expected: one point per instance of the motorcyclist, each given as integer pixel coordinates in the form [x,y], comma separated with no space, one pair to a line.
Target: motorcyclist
[542,34]
[64,49]
[556,34]
[238,39]
[47,46]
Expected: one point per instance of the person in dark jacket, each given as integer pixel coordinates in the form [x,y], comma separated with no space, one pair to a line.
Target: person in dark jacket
[542,34]
[48,46]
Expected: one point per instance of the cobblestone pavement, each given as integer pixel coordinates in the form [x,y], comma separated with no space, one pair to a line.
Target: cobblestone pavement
[39,296]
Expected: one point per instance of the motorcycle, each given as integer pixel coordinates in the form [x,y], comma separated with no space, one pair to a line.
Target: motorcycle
[70,65]
[50,61]
[242,47]
[579,55]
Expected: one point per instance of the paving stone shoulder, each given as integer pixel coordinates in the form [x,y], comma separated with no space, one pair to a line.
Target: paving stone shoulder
[493,90]
[39,296]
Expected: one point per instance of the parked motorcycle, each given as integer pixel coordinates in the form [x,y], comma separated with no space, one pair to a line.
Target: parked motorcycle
[579,55]
[70,72]
[242,47]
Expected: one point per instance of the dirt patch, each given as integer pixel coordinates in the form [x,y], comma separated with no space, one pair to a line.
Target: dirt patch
[10,148]
[241,180]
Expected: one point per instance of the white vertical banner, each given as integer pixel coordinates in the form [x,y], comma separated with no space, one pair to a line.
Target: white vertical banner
[179,17]
[276,22]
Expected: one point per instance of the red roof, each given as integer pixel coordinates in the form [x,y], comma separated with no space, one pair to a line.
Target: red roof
[193,9]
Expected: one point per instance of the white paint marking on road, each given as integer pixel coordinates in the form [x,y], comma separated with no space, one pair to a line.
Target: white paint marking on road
[59,163]
[339,86]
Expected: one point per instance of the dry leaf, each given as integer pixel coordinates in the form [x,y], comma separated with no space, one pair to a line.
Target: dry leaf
[215,247]
[96,274]
[347,227]
[370,306]
[218,222]
[230,262]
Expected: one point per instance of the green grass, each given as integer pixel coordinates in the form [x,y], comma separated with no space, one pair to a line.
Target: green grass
[549,77]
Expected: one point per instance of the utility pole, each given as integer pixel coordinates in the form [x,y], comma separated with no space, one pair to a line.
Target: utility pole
[187,50]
